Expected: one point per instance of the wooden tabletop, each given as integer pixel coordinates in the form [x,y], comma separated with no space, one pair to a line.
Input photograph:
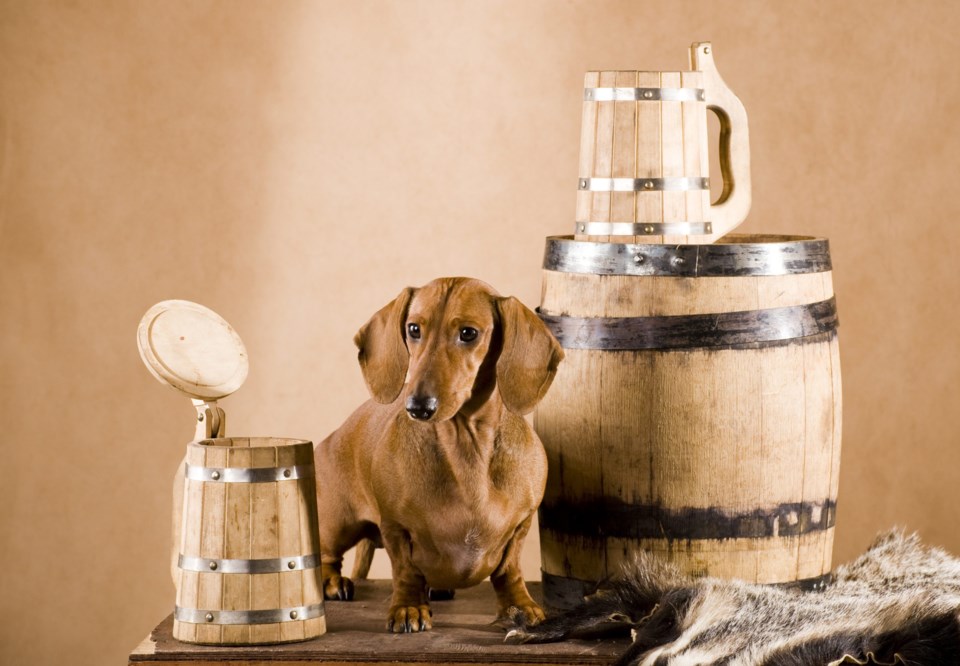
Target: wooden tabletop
[462,633]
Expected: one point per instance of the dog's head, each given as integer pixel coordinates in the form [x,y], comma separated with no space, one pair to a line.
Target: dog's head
[457,340]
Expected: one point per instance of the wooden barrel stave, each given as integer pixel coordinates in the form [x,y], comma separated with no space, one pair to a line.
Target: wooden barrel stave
[652,432]
[250,526]
[237,538]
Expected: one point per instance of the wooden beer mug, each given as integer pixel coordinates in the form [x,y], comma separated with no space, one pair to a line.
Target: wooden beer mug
[644,158]
[246,556]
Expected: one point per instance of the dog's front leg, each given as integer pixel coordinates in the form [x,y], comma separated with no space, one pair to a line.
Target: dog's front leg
[409,607]
[508,582]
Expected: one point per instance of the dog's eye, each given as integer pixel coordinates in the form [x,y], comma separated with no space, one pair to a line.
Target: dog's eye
[414,331]
[468,334]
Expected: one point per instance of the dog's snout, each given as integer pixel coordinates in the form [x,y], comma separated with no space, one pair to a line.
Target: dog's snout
[421,408]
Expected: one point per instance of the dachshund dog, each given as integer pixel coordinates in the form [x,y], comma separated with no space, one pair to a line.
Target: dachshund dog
[440,467]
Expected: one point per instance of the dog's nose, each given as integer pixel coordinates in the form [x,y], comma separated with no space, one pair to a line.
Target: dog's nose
[421,408]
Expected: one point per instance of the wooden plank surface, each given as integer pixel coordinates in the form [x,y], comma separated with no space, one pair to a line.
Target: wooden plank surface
[463,633]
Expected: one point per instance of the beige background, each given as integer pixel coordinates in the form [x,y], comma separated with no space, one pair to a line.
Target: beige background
[295,164]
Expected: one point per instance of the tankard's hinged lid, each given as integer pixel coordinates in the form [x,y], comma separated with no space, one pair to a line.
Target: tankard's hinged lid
[194,350]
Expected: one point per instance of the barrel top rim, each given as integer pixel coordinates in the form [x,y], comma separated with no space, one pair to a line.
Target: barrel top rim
[643,71]
[208,443]
[734,240]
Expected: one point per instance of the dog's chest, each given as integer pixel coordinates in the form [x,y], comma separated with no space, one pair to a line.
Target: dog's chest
[461,547]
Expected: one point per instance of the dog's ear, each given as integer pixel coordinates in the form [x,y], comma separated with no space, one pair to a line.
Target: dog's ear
[383,352]
[529,358]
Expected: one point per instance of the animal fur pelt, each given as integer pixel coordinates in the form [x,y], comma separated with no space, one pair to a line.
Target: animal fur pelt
[896,604]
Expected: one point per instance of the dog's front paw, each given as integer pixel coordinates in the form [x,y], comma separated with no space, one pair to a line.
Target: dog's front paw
[409,619]
[526,615]
[338,587]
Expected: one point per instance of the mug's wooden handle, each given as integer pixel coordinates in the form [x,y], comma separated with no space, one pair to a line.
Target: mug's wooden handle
[734,203]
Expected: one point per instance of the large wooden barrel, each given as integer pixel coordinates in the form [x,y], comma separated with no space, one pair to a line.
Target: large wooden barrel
[249,565]
[697,412]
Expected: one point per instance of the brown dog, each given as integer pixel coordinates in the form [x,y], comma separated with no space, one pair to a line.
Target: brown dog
[443,470]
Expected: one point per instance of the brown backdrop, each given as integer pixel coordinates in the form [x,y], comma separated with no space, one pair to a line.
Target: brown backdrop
[295,164]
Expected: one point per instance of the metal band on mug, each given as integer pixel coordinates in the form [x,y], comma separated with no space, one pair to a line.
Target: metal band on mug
[269,616]
[644,95]
[775,255]
[642,184]
[246,474]
[274,565]
[644,229]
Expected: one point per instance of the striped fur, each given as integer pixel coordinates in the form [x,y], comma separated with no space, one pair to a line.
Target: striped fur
[896,604]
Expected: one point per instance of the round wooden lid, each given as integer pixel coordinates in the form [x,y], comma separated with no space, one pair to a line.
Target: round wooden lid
[193,349]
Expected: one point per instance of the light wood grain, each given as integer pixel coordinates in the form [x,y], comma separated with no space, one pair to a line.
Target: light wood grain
[732,206]
[695,151]
[624,149]
[654,138]
[192,349]
[672,142]
[649,144]
[657,296]
[462,633]
[588,142]
[736,431]
[249,521]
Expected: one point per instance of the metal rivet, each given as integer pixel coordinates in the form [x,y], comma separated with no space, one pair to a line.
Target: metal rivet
[293,615]
[703,95]
[215,476]
[291,564]
[213,566]
[582,228]
[209,617]
[648,229]
[200,417]
[706,49]
[648,184]
[638,259]
[286,473]
[678,261]
[648,94]
[583,184]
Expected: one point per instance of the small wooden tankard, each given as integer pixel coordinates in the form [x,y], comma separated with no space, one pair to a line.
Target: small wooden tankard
[644,157]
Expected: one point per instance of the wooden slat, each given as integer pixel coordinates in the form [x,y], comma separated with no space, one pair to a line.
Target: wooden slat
[603,154]
[310,541]
[694,137]
[624,151]
[649,165]
[588,142]
[288,540]
[264,588]
[236,587]
[187,594]
[570,437]
[210,594]
[671,156]
[837,425]
[625,424]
